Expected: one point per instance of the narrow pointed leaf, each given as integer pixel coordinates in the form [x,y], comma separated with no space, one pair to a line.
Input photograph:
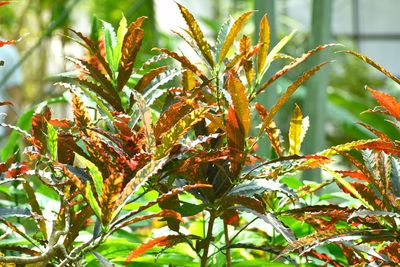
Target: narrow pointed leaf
[35,208]
[271,56]
[373,64]
[110,197]
[259,186]
[179,130]
[264,40]
[52,139]
[290,90]
[163,241]
[147,79]
[223,32]
[197,35]
[295,62]
[271,219]
[141,177]
[388,102]
[348,186]
[344,147]
[240,102]
[92,201]
[274,134]
[230,38]
[130,47]
[295,131]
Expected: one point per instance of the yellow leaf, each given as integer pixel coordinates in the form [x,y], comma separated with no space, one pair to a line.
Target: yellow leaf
[295,131]
[241,104]
[264,40]
[348,186]
[197,35]
[230,38]
[179,130]
[344,147]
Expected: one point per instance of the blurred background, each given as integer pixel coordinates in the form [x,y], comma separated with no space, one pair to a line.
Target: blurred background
[333,99]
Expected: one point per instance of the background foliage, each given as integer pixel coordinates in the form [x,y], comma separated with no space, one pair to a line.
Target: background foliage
[169,160]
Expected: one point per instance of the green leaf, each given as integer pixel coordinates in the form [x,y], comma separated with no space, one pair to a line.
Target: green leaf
[230,38]
[269,218]
[97,177]
[122,29]
[179,130]
[14,212]
[110,42]
[52,139]
[92,200]
[395,177]
[259,186]
[103,261]
[223,32]
[23,123]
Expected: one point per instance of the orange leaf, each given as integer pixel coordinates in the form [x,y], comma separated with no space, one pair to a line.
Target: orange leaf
[3,3]
[130,47]
[162,241]
[354,174]
[3,43]
[388,102]
[112,187]
[164,213]
[240,102]
[379,145]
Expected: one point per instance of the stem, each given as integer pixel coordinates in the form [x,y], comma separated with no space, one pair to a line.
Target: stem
[228,245]
[207,240]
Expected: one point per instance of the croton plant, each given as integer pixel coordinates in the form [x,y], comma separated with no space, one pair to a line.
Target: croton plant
[159,166]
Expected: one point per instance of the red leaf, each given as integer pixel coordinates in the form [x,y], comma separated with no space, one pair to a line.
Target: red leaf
[3,3]
[61,123]
[231,217]
[379,145]
[388,102]
[17,169]
[354,174]
[3,43]
[6,103]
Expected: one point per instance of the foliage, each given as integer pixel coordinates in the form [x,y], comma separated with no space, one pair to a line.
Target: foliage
[141,146]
